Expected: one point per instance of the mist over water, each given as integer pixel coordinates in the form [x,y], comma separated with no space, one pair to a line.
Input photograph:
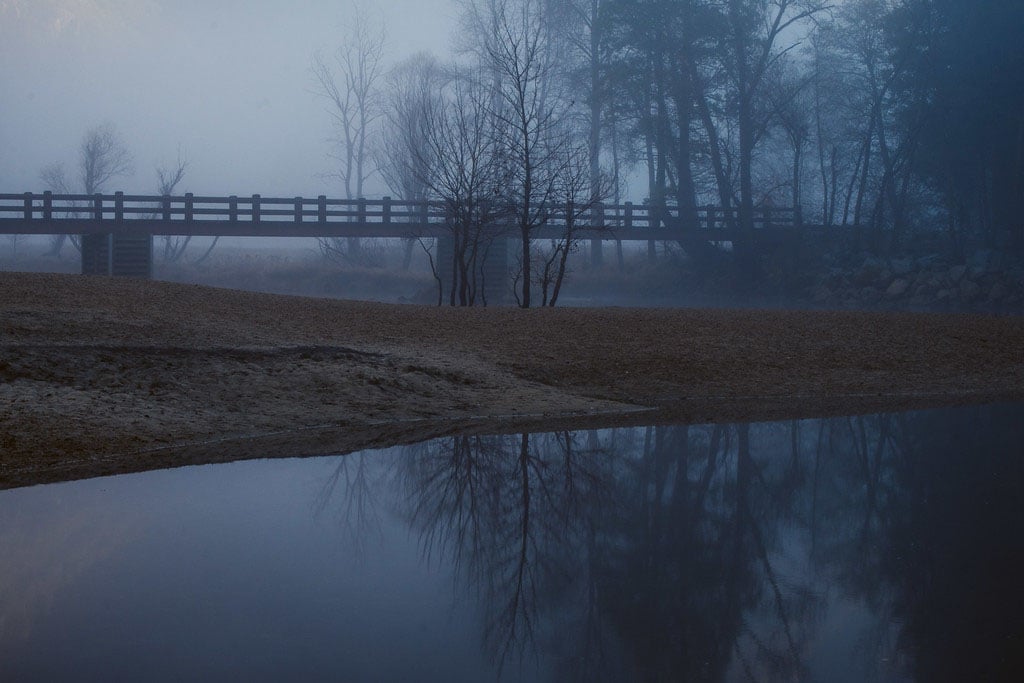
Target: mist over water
[884,547]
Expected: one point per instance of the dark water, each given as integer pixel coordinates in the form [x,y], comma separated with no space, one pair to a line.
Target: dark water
[879,548]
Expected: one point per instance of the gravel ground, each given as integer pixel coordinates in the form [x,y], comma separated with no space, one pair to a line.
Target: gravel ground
[105,375]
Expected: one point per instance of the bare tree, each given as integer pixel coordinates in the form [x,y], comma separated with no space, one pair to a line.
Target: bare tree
[14,239]
[349,82]
[102,157]
[579,195]
[789,100]
[55,178]
[750,50]
[412,89]
[531,120]
[589,41]
[456,153]
[168,179]
[401,155]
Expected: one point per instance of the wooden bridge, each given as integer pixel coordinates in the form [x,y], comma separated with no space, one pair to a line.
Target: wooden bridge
[120,226]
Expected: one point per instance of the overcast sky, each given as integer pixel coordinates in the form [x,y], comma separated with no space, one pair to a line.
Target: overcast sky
[227,81]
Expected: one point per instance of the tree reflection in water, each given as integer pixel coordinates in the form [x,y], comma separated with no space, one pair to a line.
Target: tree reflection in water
[734,552]
[353,482]
[514,512]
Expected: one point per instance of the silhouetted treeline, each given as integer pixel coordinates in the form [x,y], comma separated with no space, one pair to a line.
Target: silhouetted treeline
[895,116]
[899,119]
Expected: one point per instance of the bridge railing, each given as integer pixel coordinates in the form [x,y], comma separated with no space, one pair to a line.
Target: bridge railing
[190,208]
[184,209]
[630,216]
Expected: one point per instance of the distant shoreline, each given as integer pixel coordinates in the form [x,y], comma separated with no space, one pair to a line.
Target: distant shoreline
[99,376]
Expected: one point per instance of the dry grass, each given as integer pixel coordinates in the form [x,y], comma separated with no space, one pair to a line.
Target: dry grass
[102,375]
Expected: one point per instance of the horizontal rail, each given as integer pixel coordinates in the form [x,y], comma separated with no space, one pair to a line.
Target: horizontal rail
[51,213]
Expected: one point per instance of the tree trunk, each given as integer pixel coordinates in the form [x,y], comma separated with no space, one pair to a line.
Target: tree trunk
[594,139]
[858,207]
[717,164]
[525,296]
[745,249]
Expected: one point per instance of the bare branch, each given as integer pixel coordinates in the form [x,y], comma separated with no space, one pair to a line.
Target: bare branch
[102,157]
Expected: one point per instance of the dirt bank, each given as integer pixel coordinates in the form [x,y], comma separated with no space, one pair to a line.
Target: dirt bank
[101,375]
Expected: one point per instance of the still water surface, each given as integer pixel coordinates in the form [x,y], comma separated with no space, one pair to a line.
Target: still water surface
[874,548]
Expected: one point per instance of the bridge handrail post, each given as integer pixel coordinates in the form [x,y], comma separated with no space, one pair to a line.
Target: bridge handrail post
[255,208]
[189,215]
[233,208]
[28,206]
[119,207]
[97,206]
[767,217]
[386,211]
[321,209]
[48,205]
[361,211]
[298,209]
[629,215]
[167,207]
[798,216]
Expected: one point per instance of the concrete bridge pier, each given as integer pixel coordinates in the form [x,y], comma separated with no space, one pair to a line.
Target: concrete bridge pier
[492,275]
[117,254]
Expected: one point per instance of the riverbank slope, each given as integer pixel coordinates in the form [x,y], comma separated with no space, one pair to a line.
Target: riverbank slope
[103,375]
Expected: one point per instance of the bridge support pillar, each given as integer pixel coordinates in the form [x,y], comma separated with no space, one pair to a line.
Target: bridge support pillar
[490,281]
[117,254]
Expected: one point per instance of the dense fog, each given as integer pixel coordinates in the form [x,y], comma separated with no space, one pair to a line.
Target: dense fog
[229,83]
[856,153]
[817,155]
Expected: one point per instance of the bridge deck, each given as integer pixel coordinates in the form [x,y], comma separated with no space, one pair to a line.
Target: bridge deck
[256,216]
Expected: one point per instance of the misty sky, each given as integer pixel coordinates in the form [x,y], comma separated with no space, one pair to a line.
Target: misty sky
[227,81]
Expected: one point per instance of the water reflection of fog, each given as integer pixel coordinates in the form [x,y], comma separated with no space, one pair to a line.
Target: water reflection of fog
[857,548]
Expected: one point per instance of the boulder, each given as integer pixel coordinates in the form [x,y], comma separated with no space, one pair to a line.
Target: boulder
[870,295]
[821,294]
[869,272]
[901,267]
[836,277]
[969,290]
[956,274]
[982,260]
[898,288]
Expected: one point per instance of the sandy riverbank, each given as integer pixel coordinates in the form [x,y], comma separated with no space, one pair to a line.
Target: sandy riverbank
[101,376]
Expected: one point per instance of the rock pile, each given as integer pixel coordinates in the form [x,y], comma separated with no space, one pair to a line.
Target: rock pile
[985,281]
